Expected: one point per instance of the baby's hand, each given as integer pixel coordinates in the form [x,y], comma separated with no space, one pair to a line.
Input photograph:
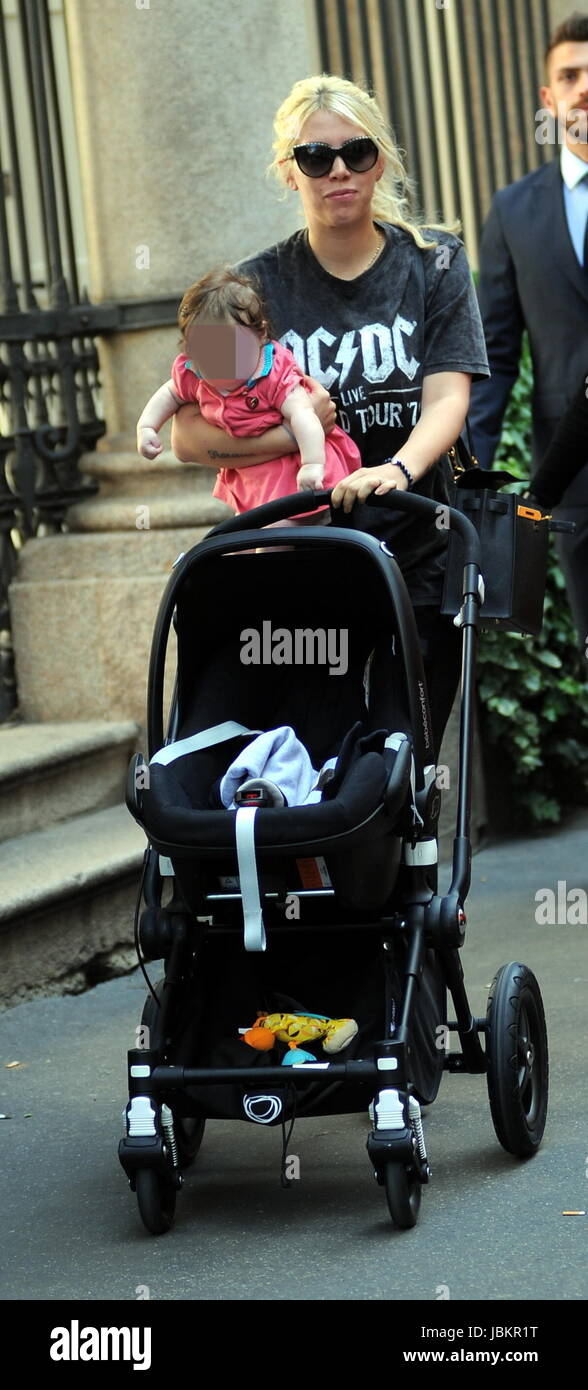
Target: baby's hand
[148,442]
[310,477]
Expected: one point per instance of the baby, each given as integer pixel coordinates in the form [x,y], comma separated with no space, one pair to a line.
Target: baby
[245,383]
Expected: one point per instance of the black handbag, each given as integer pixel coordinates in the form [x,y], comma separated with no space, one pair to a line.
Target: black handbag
[514,537]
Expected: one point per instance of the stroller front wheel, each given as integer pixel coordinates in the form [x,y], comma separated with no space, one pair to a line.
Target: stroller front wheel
[518,1065]
[188,1129]
[156,1200]
[403,1194]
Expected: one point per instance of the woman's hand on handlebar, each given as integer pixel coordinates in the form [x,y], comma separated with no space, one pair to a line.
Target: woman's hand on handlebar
[359,485]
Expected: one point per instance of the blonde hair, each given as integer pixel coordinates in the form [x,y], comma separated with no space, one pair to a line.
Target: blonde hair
[392,194]
[224,296]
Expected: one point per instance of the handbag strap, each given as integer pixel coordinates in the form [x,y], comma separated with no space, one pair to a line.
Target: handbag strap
[461,455]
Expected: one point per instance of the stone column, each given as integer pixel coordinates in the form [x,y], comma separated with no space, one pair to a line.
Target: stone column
[173,106]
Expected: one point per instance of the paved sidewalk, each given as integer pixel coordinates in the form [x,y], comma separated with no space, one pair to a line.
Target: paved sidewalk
[490,1226]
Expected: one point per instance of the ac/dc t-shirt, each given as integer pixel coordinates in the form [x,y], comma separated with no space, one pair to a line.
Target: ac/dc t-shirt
[370,341]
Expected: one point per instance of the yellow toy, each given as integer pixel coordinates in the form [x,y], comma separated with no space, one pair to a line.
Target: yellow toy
[293,1029]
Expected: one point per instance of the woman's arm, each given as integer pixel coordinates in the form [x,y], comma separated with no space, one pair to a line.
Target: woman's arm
[444,406]
[193,440]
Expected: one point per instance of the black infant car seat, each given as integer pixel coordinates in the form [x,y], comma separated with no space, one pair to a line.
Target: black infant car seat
[363,714]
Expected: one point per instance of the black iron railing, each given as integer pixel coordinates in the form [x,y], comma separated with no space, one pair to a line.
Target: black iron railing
[49,412]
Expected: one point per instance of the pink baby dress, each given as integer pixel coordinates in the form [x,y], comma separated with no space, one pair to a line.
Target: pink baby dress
[251,409]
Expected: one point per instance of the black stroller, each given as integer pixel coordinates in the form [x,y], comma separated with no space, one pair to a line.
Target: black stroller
[331,905]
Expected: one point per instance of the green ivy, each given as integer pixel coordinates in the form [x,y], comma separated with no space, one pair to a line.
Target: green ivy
[533,691]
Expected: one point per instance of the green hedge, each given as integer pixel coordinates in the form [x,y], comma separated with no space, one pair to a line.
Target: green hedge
[532,690]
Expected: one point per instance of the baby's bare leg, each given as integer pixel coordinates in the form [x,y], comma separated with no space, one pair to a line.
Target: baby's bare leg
[316,519]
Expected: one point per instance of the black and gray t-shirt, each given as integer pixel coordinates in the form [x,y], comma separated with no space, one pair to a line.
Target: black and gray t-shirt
[370,341]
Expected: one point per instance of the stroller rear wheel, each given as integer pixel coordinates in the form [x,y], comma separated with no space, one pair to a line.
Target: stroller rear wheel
[156,1199]
[403,1194]
[518,1065]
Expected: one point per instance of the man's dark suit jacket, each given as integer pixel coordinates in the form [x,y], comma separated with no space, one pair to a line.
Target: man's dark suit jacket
[530,278]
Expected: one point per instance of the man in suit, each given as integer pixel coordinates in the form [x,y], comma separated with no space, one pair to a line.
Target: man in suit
[534,275]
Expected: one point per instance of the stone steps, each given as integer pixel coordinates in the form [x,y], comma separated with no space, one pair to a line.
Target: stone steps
[70,857]
[50,772]
[42,869]
[66,918]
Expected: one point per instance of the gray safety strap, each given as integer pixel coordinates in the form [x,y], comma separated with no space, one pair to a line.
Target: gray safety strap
[395,741]
[254,938]
[218,733]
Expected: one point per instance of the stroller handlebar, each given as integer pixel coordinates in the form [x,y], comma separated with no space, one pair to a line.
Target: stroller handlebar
[300,502]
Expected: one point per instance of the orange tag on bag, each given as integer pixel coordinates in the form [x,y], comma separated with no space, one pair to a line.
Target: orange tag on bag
[530,512]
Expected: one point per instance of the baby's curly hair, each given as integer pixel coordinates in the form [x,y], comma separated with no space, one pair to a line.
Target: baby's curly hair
[224,296]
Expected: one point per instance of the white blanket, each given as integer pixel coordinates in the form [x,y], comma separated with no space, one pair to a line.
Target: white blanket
[279,756]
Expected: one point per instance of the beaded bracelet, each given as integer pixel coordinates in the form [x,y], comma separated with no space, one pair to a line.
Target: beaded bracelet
[403,469]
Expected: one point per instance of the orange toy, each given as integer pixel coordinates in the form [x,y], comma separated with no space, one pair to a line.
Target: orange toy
[294,1029]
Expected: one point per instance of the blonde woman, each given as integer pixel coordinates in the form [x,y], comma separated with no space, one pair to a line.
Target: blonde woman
[381,315]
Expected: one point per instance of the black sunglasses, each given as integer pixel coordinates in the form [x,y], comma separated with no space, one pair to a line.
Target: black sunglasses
[317,159]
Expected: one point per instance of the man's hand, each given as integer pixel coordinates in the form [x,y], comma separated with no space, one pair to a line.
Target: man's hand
[322,404]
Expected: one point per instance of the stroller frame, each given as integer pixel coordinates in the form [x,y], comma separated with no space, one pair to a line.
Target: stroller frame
[159,1142]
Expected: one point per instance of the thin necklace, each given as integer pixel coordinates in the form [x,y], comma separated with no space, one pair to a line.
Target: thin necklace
[377,252]
[379,248]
